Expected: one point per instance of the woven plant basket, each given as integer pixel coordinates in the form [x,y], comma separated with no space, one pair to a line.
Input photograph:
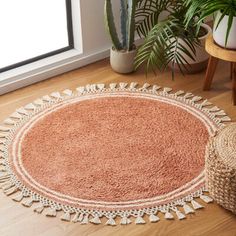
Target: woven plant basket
[221,167]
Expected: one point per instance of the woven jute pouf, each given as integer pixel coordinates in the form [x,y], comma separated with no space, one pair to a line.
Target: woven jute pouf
[221,167]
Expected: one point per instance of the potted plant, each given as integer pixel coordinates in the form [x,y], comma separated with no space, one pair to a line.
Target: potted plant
[170,43]
[224,13]
[123,51]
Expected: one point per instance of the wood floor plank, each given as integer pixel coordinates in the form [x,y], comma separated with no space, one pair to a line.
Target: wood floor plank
[16,220]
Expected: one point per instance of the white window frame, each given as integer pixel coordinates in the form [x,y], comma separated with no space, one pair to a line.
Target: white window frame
[90,44]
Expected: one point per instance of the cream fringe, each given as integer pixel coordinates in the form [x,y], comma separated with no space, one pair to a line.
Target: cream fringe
[176,209]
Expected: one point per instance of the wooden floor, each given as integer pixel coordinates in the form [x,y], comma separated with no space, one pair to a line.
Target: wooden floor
[16,220]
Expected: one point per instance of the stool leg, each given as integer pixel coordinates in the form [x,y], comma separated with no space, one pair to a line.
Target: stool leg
[234,83]
[212,63]
[231,69]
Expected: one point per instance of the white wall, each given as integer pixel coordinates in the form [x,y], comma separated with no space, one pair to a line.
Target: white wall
[95,38]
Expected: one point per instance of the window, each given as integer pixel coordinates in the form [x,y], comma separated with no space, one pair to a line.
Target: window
[32,30]
[88,43]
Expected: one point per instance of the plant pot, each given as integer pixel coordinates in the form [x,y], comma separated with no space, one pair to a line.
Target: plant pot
[122,61]
[219,34]
[201,57]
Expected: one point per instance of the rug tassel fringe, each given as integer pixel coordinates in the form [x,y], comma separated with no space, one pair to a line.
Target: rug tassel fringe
[38,102]
[80,89]
[5,129]
[28,202]
[93,87]
[56,95]
[51,212]
[133,85]
[220,113]
[188,209]
[39,209]
[96,220]
[4,178]
[178,93]
[75,218]
[9,121]
[78,217]
[46,98]
[85,220]
[224,119]
[2,135]
[66,217]
[188,95]
[125,220]
[155,88]
[139,220]
[214,109]
[2,141]
[153,218]
[68,92]
[180,215]
[205,103]
[16,115]
[11,191]
[169,216]
[112,86]
[111,222]
[167,90]
[123,85]
[18,197]
[7,186]
[30,106]
[196,99]
[206,198]
[196,205]
[3,149]
[145,87]
[101,87]
[2,169]
[4,175]
[22,111]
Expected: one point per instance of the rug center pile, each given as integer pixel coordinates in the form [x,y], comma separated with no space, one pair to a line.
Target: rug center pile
[110,149]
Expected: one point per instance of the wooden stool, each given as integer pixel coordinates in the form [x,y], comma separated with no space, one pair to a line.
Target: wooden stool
[216,52]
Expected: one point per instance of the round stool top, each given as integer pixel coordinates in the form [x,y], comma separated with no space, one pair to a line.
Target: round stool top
[216,51]
[225,143]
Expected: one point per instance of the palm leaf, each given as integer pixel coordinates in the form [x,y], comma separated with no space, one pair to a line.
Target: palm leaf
[205,8]
[167,43]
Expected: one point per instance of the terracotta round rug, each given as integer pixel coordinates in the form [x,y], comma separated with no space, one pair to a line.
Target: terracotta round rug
[119,152]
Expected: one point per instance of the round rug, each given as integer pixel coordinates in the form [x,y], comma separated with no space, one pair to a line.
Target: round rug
[115,152]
